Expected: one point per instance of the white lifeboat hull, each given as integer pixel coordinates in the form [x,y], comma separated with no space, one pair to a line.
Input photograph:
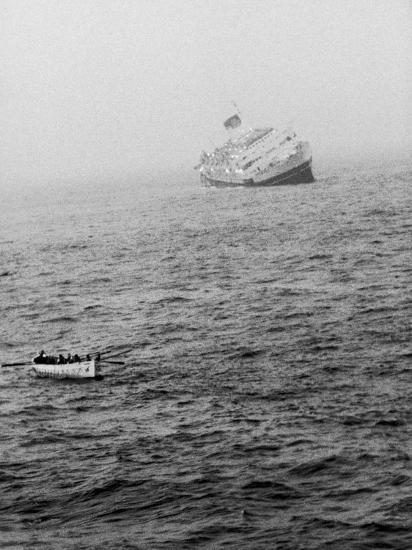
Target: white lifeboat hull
[83,369]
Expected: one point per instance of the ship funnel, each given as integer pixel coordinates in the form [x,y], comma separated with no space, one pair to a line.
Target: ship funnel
[232,122]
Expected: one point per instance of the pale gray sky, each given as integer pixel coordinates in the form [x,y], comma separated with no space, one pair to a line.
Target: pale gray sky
[95,86]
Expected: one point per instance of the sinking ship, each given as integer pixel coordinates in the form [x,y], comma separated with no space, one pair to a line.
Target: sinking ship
[256,157]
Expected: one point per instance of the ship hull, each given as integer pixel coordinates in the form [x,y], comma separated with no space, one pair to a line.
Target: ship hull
[296,175]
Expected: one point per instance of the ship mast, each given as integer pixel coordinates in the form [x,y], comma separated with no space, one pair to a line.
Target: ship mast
[237,108]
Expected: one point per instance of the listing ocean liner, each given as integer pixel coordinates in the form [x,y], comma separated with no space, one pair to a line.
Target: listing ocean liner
[256,157]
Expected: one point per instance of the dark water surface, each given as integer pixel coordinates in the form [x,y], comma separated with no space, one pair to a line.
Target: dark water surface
[266,402]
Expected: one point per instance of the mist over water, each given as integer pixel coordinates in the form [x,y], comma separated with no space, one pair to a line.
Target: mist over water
[265,401]
[91,88]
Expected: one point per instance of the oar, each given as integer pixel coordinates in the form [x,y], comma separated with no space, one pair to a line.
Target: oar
[97,353]
[91,355]
[112,362]
[118,353]
[14,364]
[105,359]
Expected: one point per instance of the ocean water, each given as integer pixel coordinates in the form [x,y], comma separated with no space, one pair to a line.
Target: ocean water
[265,399]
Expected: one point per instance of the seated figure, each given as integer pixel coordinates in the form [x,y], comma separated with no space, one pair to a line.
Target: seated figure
[41,358]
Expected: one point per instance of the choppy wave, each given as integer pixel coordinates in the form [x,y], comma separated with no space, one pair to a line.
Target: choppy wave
[265,397]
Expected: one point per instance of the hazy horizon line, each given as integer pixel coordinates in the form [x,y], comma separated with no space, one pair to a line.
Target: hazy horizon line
[154,172]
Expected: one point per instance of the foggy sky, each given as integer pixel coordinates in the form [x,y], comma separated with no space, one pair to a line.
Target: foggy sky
[90,87]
